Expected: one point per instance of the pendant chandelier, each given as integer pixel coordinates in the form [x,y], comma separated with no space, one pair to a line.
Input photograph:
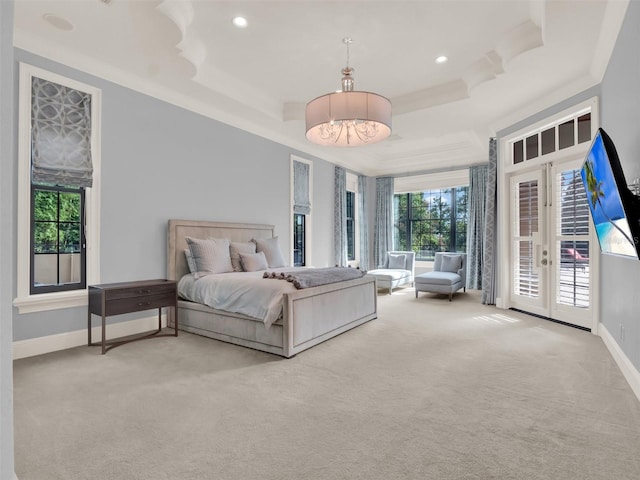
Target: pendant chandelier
[348,118]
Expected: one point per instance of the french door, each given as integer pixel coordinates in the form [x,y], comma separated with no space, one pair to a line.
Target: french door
[551,267]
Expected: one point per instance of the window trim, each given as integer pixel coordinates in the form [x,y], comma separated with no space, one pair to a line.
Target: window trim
[25,301]
[308,229]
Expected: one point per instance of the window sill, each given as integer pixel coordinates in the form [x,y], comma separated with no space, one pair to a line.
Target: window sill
[50,301]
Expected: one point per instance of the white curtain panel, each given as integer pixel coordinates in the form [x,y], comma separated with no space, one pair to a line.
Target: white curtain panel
[363,219]
[490,236]
[383,233]
[340,217]
[475,226]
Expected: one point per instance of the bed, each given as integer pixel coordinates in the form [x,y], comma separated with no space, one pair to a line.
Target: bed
[309,316]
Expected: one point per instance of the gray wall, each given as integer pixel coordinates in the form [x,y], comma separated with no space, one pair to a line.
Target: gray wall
[620,116]
[7,244]
[160,161]
[620,277]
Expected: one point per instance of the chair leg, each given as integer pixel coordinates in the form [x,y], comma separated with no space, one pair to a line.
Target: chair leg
[464,289]
[450,295]
[416,293]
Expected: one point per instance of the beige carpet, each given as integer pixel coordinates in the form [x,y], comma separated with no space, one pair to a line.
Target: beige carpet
[432,389]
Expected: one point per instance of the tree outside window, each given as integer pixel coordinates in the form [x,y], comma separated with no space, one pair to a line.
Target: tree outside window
[431,221]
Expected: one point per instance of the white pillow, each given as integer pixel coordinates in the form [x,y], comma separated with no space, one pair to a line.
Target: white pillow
[397,261]
[191,263]
[210,255]
[271,249]
[253,262]
[235,249]
[451,263]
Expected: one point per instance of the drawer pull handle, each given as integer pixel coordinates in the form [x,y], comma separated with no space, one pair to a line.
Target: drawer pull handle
[144,291]
[144,303]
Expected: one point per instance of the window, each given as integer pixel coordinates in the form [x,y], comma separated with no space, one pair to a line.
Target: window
[58,208]
[551,138]
[301,196]
[431,221]
[58,249]
[298,240]
[351,226]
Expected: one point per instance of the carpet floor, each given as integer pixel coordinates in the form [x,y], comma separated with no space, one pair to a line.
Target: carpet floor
[431,389]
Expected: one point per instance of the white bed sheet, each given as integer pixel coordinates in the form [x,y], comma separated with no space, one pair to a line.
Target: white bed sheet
[247,293]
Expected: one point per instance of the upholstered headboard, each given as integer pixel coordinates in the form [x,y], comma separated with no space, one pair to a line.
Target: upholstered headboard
[179,229]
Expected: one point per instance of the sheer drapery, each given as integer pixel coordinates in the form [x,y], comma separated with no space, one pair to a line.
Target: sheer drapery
[383,233]
[340,217]
[301,202]
[363,220]
[490,234]
[476,225]
[60,135]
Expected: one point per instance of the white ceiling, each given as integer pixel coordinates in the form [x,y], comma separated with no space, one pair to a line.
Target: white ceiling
[507,59]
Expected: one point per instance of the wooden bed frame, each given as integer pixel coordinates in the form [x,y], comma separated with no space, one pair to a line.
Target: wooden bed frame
[310,316]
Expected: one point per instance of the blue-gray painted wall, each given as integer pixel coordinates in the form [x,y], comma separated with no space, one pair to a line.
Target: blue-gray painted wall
[620,114]
[7,236]
[160,161]
[619,95]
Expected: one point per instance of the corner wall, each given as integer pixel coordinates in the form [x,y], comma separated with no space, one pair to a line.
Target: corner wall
[620,118]
[7,244]
[160,161]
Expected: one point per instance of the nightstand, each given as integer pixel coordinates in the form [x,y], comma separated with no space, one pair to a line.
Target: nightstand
[127,297]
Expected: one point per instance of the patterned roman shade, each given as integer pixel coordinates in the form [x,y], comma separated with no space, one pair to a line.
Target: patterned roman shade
[60,135]
[301,203]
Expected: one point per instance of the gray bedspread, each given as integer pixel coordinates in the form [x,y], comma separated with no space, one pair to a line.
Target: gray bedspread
[314,277]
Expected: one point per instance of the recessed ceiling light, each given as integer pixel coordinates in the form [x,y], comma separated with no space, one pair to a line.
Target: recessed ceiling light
[441,59]
[58,22]
[240,22]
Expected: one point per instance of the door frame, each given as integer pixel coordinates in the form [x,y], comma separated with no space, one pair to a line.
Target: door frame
[506,171]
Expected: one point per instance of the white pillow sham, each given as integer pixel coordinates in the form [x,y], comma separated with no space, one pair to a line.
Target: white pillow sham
[253,262]
[210,255]
[235,249]
[271,249]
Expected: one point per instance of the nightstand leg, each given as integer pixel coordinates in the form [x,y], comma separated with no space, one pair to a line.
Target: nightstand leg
[160,319]
[89,328]
[104,334]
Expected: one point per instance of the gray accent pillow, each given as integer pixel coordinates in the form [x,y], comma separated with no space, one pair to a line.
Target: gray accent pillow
[210,255]
[451,263]
[235,249]
[253,262]
[271,249]
[397,261]
[191,263]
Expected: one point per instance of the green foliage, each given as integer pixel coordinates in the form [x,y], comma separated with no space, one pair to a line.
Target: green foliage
[56,221]
[431,221]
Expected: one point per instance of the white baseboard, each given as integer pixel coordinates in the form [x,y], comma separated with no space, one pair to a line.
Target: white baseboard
[62,341]
[628,369]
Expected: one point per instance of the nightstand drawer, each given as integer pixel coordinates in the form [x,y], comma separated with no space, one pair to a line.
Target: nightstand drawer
[141,291]
[116,306]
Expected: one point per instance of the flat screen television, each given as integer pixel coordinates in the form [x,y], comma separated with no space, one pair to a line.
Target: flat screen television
[615,210]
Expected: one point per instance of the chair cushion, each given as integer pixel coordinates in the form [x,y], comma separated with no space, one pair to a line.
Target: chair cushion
[397,261]
[390,274]
[451,263]
[438,278]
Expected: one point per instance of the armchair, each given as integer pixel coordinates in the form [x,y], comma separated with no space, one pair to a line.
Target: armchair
[398,269]
[448,276]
